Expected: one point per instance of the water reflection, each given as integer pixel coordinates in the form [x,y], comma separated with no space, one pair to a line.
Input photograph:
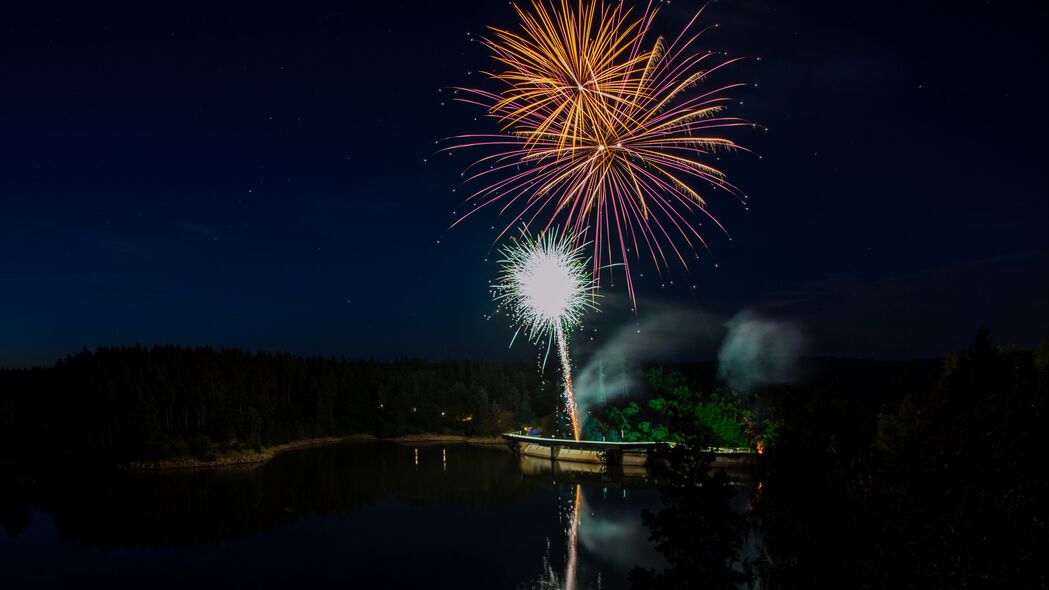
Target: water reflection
[112,510]
[702,528]
[573,541]
[358,515]
[551,580]
[602,534]
[589,474]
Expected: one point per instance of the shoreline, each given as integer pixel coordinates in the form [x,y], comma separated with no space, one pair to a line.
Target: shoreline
[264,455]
[445,438]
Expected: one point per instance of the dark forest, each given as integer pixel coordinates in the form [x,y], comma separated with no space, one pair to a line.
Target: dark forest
[118,404]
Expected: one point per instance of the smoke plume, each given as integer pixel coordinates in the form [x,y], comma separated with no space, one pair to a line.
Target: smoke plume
[658,336]
[759,351]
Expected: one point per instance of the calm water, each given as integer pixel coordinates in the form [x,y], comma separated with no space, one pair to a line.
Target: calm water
[365,515]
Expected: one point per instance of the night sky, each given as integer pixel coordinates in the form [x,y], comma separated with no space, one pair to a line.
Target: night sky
[256,176]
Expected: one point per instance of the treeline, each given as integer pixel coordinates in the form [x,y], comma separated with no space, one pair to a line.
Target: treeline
[136,403]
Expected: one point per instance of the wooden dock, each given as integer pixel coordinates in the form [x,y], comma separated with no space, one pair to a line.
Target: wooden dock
[581,451]
[608,452]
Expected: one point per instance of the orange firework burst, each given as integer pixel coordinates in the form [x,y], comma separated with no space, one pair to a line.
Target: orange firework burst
[565,73]
[603,131]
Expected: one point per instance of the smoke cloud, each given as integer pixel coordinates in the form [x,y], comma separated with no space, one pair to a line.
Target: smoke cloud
[613,536]
[657,336]
[759,351]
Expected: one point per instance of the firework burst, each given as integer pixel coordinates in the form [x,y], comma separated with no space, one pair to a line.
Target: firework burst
[545,284]
[603,130]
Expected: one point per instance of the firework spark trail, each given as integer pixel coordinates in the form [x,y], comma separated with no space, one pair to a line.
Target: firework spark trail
[599,133]
[566,368]
[547,287]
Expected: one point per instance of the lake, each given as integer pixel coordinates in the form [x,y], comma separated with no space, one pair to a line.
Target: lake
[352,515]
